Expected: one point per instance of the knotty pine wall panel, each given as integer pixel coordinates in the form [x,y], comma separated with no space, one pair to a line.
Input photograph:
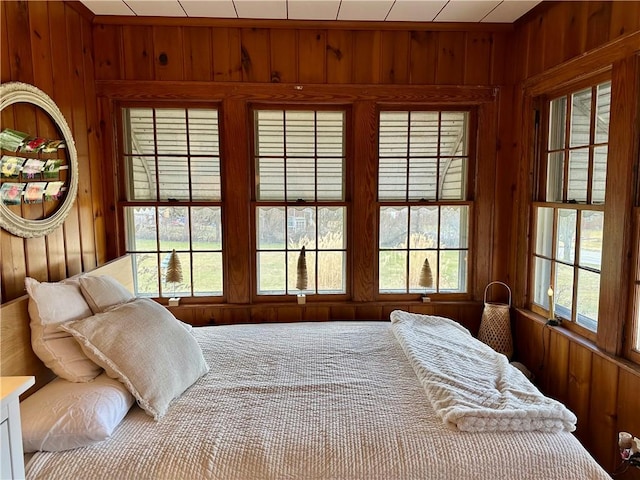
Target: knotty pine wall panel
[560,31]
[139,61]
[601,390]
[227,54]
[168,53]
[284,56]
[423,57]
[312,56]
[197,45]
[305,55]
[395,56]
[467,313]
[47,44]
[255,55]
[107,58]
[339,56]
[79,103]
[451,61]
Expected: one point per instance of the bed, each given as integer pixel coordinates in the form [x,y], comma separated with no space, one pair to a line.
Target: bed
[325,400]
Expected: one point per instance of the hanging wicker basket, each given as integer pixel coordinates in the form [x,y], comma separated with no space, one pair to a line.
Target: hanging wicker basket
[495,326]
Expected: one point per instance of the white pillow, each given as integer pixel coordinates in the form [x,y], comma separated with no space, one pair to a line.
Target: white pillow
[50,305]
[64,415]
[103,292]
[145,347]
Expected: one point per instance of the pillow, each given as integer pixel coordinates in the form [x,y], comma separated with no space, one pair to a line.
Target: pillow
[50,305]
[102,292]
[64,415]
[145,347]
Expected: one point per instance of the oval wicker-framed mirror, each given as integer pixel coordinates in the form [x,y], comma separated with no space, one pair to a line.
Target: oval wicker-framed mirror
[38,162]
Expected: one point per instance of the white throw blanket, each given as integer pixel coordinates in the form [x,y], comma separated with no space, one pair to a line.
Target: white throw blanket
[471,387]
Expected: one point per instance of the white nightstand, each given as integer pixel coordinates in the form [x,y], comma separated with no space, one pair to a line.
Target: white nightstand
[12,461]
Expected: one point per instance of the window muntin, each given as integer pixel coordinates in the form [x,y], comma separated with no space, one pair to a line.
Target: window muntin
[423,159]
[569,218]
[576,153]
[300,200]
[171,155]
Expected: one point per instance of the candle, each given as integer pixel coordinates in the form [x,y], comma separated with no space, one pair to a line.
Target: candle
[551,309]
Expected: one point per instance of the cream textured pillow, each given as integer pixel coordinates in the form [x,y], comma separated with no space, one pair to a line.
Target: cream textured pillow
[50,305]
[144,346]
[64,415]
[102,292]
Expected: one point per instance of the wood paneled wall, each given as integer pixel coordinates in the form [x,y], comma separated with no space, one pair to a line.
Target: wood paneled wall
[235,64]
[50,45]
[557,32]
[602,390]
[467,313]
[139,50]
[555,45]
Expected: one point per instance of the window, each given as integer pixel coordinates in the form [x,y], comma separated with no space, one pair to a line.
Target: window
[569,213]
[173,198]
[299,158]
[424,200]
[634,344]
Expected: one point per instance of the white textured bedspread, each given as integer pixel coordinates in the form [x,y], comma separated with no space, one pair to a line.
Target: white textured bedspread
[334,400]
[470,386]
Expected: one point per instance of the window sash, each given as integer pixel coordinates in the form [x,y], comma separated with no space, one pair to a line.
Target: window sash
[632,343]
[423,155]
[566,256]
[572,183]
[180,146]
[574,160]
[425,233]
[299,156]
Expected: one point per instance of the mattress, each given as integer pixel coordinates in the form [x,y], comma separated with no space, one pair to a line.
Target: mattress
[330,400]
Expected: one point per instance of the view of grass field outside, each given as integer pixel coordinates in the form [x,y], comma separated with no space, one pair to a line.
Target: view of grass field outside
[283,231]
[572,266]
[408,235]
[196,235]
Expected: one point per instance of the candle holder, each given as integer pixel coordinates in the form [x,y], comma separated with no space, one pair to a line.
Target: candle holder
[552,320]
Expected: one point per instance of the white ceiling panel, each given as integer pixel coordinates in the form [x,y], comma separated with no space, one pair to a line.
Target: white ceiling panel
[505,11]
[510,10]
[466,10]
[315,10]
[108,7]
[374,10]
[217,9]
[415,11]
[156,8]
[261,8]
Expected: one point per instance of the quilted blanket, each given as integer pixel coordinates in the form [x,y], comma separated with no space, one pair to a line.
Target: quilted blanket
[471,387]
[310,401]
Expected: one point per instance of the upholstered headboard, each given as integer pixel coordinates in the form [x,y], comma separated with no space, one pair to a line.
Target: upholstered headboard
[16,355]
